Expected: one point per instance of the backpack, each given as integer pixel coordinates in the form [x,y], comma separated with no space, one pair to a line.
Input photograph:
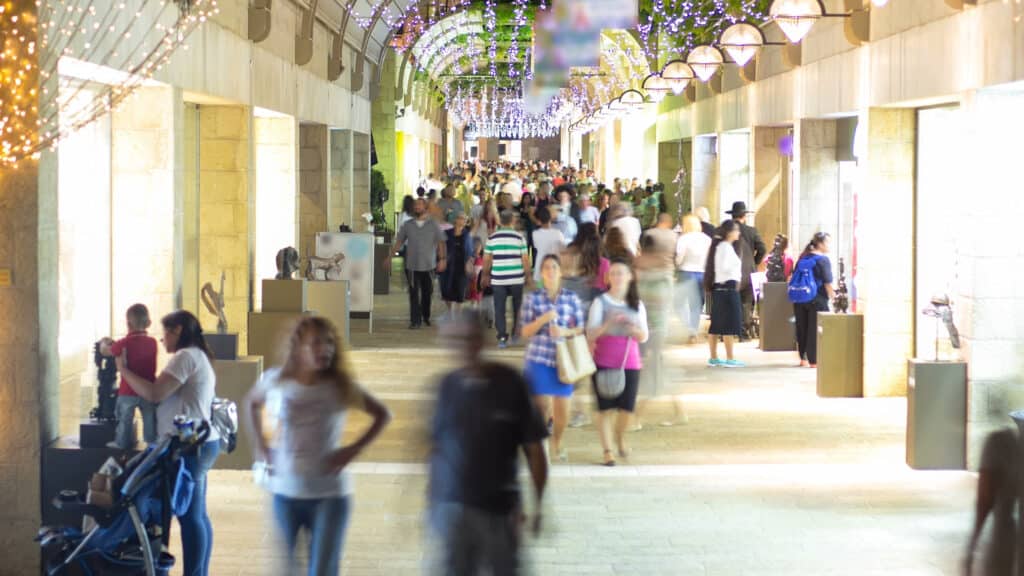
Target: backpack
[803,286]
[224,419]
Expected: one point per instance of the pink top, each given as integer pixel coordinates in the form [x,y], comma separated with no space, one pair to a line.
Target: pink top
[611,350]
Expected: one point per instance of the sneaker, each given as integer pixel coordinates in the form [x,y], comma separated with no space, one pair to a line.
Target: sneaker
[733,364]
[426,322]
[502,344]
[714,363]
[579,420]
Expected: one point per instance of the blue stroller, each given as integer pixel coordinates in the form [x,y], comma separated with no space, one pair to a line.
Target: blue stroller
[129,538]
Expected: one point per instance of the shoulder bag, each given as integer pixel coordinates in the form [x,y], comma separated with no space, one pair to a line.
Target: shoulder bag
[611,382]
[573,357]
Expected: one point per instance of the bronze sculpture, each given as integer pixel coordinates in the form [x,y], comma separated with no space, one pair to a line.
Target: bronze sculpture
[841,301]
[776,264]
[214,302]
[287,263]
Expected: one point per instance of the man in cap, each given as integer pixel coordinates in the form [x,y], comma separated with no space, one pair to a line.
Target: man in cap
[751,250]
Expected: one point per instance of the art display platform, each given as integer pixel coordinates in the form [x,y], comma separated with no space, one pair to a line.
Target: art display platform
[234,380]
[285,302]
[778,333]
[840,355]
[936,415]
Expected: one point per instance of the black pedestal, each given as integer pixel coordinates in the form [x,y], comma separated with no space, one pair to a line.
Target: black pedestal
[223,346]
[67,465]
[93,434]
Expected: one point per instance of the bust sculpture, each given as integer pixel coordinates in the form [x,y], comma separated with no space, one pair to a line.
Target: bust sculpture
[214,302]
[287,263]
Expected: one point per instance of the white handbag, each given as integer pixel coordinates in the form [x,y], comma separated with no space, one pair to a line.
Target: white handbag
[574,360]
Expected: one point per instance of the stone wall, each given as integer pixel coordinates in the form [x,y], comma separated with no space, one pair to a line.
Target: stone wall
[274,197]
[671,157]
[313,189]
[224,211]
[734,169]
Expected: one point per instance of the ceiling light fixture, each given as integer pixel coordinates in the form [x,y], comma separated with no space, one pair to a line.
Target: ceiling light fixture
[656,87]
[705,61]
[678,74]
[742,41]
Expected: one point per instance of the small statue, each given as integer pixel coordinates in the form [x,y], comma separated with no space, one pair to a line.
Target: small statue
[214,302]
[841,301]
[942,310]
[287,263]
[318,268]
[776,265]
[106,373]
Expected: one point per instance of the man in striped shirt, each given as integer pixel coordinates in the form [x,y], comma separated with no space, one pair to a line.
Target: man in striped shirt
[506,259]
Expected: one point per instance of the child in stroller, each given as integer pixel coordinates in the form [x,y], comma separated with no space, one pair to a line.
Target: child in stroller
[129,537]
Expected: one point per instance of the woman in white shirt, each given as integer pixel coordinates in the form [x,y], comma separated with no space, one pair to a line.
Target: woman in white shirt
[308,477]
[691,257]
[722,277]
[186,387]
[546,240]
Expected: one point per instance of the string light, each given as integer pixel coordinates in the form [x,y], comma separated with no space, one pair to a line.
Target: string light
[39,105]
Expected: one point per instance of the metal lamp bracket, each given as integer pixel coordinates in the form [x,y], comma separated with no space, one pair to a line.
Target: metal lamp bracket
[259,20]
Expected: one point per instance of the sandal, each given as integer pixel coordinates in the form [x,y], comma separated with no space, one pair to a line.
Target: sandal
[609,459]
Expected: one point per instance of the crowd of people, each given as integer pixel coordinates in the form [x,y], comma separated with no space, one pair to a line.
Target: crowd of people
[570,259]
[569,256]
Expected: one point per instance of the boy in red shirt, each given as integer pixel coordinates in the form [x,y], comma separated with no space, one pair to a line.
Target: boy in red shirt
[140,351]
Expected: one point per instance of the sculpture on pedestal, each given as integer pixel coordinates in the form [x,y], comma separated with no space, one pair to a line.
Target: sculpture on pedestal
[776,264]
[287,263]
[942,311]
[106,374]
[318,268]
[214,302]
[841,301]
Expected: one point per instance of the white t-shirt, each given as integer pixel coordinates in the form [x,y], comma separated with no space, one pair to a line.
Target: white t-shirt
[546,241]
[194,398]
[514,188]
[310,420]
[727,263]
[631,231]
[692,251]
[590,214]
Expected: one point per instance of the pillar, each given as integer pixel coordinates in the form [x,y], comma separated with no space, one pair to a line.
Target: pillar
[770,174]
[360,180]
[816,200]
[704,176]
[313,185]
[673,157]
[885,244]
[990,303]
[383,130]
[274,197]
[339,205]
[28,343]
[224,211]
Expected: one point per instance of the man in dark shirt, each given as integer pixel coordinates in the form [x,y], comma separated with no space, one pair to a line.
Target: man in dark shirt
[751,250]
[483,417]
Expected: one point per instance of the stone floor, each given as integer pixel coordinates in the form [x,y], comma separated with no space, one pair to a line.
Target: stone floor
[766,478]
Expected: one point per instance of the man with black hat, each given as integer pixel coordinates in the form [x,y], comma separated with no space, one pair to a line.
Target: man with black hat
[751,250]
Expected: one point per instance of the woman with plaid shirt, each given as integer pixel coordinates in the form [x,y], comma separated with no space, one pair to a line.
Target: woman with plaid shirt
[547,315]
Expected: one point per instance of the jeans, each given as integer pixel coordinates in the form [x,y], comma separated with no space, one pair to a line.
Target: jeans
[125,433]
[501,294]
[326,519]
[691,299]
[807,329]
[421,290]
[196,529]
[472,540]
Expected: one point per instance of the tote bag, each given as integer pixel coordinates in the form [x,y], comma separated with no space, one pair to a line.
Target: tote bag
[573,357]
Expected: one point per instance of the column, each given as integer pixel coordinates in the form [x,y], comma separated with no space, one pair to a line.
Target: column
[360,180]
[274,196]
[224,211]
[704,177]
[734,170]
[28,342]
[339,205]
[815,202]
[770,172]
[885,257]
[313,185]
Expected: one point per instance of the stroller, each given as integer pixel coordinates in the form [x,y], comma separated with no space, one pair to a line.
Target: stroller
[130,537]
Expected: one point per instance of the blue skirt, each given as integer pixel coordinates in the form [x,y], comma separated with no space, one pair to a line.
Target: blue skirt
[544,381]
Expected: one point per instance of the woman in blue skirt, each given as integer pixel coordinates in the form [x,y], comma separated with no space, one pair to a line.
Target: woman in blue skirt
[547,315]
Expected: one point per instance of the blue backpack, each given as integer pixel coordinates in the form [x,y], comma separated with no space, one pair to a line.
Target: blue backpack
[803,287]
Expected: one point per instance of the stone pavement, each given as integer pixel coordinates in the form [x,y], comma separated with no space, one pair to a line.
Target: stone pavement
[766,478]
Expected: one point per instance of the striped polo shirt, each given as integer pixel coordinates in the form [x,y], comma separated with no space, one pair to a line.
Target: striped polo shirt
[506,247]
